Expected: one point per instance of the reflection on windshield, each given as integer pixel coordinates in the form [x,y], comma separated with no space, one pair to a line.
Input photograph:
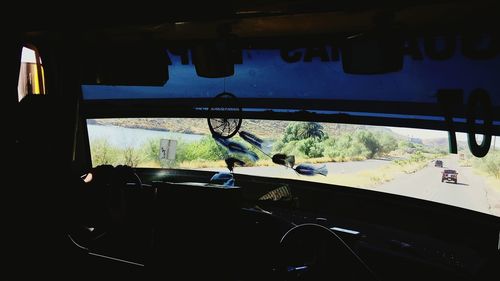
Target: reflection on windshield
[403,161]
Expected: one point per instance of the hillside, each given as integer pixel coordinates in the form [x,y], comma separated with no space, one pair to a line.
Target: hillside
[267,129]
[442,142]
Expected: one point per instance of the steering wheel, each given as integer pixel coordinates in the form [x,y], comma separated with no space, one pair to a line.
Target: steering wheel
[314,252]
[124,178]
[107,191]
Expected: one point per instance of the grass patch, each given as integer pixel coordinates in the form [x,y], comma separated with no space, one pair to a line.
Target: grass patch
[150,164]
[380,175]
[493,182]
[366,178]
[411,168]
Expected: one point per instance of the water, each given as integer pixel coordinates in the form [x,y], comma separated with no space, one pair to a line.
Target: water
[121,137]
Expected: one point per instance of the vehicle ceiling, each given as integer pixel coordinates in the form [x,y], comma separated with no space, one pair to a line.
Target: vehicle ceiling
[259,18]
[269,22]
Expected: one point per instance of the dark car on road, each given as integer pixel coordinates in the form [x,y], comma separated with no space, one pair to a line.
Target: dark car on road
[438,163]
[449,175]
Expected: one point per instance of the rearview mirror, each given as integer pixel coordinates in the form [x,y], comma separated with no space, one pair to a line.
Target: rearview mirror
[126,65]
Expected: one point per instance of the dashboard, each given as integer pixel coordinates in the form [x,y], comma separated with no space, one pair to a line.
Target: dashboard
[286,230]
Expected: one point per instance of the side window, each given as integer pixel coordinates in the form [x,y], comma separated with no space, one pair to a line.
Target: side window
[31,74]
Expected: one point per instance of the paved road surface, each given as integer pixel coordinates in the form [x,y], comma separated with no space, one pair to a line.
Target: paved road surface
[470,192]
[333,168]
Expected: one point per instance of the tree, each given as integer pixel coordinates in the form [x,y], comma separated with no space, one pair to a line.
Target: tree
[310,148]
[367,139]
[303,130]
[387,143]
[152,150]
[131,157]
[490,163]
[102,152]
[312,130]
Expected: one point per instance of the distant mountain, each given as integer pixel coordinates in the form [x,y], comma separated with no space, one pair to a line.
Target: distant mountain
[436,142]
[442,142]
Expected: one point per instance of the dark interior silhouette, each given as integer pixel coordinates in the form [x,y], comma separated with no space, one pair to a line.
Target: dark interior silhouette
[67,219]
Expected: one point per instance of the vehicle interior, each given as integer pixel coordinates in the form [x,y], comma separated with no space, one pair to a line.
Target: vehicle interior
[266,100]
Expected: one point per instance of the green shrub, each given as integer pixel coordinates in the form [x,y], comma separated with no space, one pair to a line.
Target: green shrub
[303,130]
[387,143]
[131,156]
[369,143]
[103,153]
[205,149]
[151,150]
[346,147]
[490,163]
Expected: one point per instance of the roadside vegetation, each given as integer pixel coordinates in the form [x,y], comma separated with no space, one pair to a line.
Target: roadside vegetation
[488,166]
[307,141]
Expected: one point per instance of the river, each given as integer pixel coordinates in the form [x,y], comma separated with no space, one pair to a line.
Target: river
[121,137]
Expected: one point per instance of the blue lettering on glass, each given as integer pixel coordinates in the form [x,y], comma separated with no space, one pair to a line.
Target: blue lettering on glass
[316,73]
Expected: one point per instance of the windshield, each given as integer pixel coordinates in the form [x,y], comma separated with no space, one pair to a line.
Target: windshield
[383,159]
[446,83]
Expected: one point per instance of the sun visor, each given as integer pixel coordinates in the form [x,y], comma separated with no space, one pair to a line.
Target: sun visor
[372,53]
[445,81]
[213,59]
[125,65]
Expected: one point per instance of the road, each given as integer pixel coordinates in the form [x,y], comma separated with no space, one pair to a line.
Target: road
[333,168]
[470,192]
